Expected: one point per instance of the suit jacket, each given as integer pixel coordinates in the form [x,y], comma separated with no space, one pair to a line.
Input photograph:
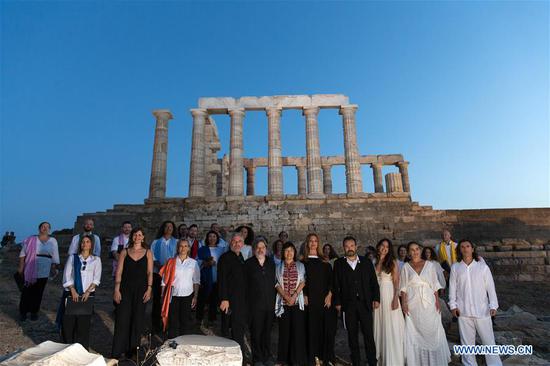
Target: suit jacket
[343,283]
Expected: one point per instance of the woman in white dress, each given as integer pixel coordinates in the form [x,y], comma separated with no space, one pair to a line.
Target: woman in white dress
[389,326]
[425,341]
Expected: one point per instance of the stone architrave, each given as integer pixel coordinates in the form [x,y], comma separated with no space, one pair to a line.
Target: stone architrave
[250,180]
[197,171]
[313,153]
[302,180]
[157,183]
[404,171]
[327,179]
[354,182]
[394,182]
[275,159]
[236,184]
[378,178]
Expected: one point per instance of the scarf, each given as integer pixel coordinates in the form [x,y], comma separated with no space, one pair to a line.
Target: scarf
[194,248]
[443,253]
[31,270]
[168,273]
[77,275]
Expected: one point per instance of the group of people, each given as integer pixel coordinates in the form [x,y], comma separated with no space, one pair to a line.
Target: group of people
[394,301]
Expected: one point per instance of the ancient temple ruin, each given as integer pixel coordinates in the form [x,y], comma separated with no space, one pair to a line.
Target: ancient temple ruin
[211,176]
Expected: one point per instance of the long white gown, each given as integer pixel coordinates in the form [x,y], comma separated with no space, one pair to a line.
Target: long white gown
[425,340]
[389,326]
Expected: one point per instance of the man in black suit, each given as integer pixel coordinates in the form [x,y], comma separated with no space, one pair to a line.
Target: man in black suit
[357,294]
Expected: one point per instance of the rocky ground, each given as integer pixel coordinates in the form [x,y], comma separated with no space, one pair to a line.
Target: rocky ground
[524,317]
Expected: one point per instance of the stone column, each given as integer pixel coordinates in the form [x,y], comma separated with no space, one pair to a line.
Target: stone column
[394,183]
[157,183]
[354,182]
[302,181]
[377,174]
[313,153]
[275,159]
[236,186]
[250,179]
[197,171]
[327,179]
[404,170]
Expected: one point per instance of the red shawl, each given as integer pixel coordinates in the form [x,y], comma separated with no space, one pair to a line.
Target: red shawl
[168,273]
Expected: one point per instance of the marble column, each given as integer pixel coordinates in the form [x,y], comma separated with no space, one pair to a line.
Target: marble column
[404,170]
[354,181]
[313,153]
[250,179]
[327,179]
[274,159]
[157,183]
[394,182]
[197,171]
[378,178]
[236,184]
[302,181]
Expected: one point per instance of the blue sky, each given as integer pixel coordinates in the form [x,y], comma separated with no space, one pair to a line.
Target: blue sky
[460,88]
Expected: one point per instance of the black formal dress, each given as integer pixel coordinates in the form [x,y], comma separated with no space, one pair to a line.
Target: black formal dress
[232,287]
[130,313]
[318,285]
[355,290]
[261,305]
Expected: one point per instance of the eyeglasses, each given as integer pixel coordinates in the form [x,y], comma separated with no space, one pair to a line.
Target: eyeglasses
[83,268]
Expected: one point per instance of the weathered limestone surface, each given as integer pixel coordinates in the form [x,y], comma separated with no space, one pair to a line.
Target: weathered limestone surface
[222,104]
[157,185]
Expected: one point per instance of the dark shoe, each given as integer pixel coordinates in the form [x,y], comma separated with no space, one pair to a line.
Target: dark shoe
[34,316]
[22,317]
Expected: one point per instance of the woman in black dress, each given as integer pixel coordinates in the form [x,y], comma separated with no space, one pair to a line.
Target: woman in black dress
[318,299]
[133,288]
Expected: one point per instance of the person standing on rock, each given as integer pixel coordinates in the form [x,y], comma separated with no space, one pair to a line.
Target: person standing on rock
[260,281]
[163,248]
[38,257]
[473,299]
[232,291]
[119,243]
[425,339]
[87,228]
[357,295]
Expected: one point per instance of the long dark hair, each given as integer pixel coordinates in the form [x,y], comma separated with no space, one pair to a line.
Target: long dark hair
[389,259]
[92,240]
[160,232]
[208,234]
[249,240]
[274,247]
[459,253]
[131,238]
[433,257]
[332,253]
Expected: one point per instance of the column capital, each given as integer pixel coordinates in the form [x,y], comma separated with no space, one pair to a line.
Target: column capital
[350,108]
[326,166]
[235,112]
[273,111]
[376,164]
[163,114]
[199,112]
[310,111]
[402,164]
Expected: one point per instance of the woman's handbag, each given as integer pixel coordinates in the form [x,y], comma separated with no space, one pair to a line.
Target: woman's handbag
[80,307]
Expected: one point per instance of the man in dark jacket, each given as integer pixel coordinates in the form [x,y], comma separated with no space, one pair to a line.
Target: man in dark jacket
[232,291]
[357,294]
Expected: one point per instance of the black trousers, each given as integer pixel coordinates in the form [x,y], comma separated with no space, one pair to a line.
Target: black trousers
[156,320]
[331,321]
[210,299]
[315,318]
[76,329]
[358,316]
[31,297]
[292,336]
[129,321]
[179,316]
[261,322]
[236,320]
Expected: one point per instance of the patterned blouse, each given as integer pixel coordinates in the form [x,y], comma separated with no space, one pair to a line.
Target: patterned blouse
[290,277]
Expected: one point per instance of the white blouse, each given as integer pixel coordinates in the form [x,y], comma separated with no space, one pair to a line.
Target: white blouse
[472,289]
[90,271]
[188,274]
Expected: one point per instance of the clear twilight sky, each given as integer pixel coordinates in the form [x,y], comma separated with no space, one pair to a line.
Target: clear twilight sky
[461,89]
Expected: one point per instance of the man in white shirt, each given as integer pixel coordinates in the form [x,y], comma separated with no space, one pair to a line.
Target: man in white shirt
[473,299]
[120,243]
[87,228]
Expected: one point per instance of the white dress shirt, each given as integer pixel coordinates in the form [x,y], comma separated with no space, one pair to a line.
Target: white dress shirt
[43,250]
[90,272]
[188,274]
[73,248]
[116,242]
[353,264]
[472,289]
